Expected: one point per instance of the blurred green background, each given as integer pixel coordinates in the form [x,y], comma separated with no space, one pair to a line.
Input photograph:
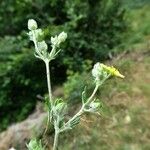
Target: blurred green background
[98,30]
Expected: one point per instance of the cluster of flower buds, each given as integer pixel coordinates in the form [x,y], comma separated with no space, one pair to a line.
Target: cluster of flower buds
[41,48]
[101,72]
[58,39]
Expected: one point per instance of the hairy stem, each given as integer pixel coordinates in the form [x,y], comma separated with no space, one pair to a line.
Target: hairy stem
[48,82]
[57,131]
[55,145]
[49,93]
[92,95]
[79,113]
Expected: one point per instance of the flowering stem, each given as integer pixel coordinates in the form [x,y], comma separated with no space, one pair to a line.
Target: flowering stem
[55,145]
[49,92]
[48,82]
[92,95]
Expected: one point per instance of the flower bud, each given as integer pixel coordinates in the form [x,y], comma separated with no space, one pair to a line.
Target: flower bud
[39,35]
[101,71]
[54,40]
[62,37]
[61,108]
[32,25]
[58,39]
[93,107]
[42,46]
[96,70]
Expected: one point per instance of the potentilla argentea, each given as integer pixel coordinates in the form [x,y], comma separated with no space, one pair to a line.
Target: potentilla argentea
[58,108]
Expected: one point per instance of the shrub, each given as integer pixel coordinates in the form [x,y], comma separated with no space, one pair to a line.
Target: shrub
[21,80]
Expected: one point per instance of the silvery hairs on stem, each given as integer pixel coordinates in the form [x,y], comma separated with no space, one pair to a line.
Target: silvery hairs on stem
[57,108]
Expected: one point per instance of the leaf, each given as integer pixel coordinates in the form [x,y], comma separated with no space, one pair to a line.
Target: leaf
[75,121]
[84,96]
[47,102]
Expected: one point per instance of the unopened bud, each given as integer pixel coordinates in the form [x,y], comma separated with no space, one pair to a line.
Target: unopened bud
[32,25]
[62,37]
[58,39]
[42,46]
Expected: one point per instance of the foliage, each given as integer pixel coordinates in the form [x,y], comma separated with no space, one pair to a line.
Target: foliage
[20,81]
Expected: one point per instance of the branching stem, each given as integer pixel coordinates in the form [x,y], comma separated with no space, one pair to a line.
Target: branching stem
[81,111]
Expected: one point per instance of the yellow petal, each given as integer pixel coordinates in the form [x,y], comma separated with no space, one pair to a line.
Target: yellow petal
[113,71]
[118,74]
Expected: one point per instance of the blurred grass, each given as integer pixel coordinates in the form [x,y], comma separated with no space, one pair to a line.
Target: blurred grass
[138,20]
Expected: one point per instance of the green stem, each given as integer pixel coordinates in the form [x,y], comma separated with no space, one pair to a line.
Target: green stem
[49,92]
[55,145]
[57,131]
[79,113]
[48,82]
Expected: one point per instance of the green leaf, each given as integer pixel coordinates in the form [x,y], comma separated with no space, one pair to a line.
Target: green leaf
[74,122]
[84,96]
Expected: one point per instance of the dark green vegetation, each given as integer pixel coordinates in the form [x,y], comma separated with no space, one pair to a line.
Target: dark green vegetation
[94,29]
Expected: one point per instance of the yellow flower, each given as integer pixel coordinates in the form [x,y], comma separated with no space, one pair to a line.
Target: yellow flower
[113,71]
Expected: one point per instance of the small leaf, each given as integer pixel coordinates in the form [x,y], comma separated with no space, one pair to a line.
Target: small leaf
[84,96]
[74,122]
[47,102]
